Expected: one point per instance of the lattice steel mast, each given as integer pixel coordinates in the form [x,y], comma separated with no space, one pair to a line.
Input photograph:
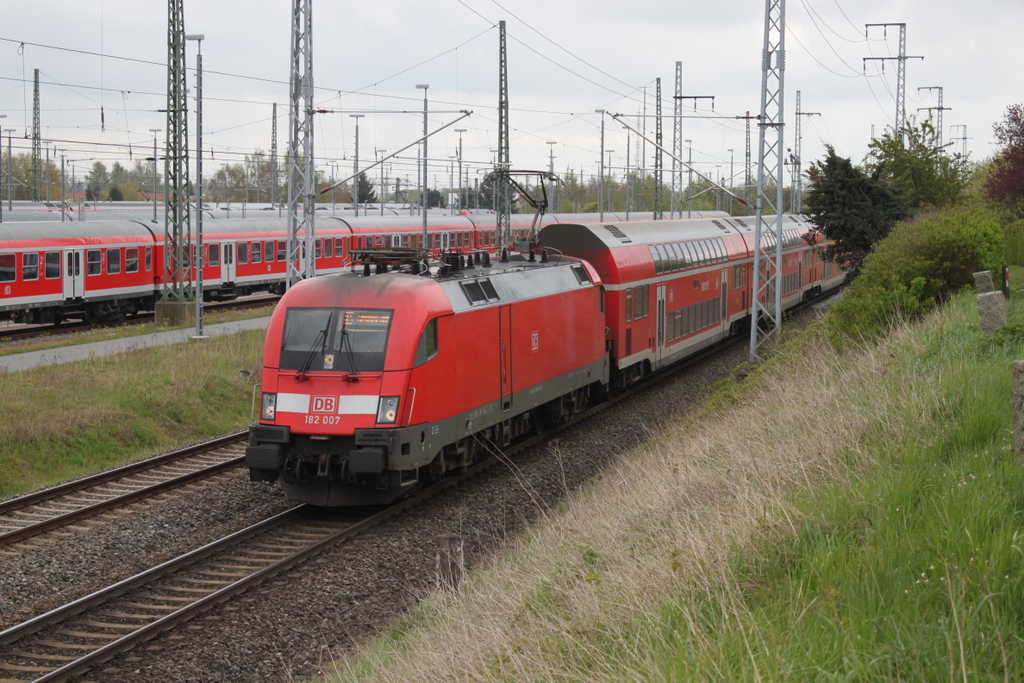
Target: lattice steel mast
[502,194]
[37,143]
[677,145]
[940,109]
[301,173]
[658,212]
[273,157]
[901,72]
[798,180]
[766,304]
[177,208]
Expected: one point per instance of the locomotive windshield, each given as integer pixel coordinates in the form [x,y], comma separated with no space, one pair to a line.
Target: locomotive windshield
[335,339]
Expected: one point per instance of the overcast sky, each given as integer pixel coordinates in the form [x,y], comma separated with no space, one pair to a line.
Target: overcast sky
[103,75]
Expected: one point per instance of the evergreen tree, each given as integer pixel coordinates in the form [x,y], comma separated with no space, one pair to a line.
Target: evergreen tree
[850,208]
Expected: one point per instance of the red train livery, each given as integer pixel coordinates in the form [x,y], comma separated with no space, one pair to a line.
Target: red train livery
[375,380]
[106,270]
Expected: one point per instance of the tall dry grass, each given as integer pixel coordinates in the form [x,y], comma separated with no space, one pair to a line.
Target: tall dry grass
[675,565]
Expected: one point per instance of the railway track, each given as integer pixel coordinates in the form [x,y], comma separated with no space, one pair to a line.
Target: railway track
[59,506]
[83,634]
[27,332]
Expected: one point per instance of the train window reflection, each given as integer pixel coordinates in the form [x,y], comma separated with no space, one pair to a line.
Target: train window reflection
[335,339]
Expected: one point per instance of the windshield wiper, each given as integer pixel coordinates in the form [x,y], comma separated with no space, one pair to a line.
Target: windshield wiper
[321,338]
[346,346]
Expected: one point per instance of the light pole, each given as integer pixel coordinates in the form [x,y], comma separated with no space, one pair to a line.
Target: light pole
[423,179]
[608,169]
[154,131]
[3,116]
[62,212]
[551,170]
[600,177]
[355,167]
[689,178]
[10,171]
[731,176]
[381,198]
[200,260]
[460,131]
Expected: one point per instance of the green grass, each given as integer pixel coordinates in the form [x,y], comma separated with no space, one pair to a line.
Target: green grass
[123,330]
[864,526]
[68,420]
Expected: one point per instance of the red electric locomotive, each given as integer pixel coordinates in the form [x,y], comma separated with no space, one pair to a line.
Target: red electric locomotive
[373,381]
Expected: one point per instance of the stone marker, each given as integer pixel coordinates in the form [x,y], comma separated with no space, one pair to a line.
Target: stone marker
[450,562]
[1018,409]
[992,310]
[983,282]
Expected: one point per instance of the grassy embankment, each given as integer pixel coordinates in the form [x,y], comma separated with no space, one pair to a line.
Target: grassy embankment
[68,420]
[839,515]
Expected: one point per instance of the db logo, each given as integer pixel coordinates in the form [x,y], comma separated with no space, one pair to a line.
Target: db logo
[535,341]
[7,290]
[325,404]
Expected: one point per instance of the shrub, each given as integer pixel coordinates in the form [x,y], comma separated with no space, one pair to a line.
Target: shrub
[1014,234]
[921,263]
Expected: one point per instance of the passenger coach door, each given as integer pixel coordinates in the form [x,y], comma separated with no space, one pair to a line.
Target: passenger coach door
[227,269]
[74,284]
[505,334]
[661,324]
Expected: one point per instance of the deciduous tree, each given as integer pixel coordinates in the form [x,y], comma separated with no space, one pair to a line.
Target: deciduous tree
[1005,181]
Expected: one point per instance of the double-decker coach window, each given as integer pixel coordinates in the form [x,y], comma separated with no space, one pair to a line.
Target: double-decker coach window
[8,267]
[149,258]
[52,265]
[93,262]
[335,339]
[30,266]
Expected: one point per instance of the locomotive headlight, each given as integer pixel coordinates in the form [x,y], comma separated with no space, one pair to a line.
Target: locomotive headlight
[269,407]
[387,410]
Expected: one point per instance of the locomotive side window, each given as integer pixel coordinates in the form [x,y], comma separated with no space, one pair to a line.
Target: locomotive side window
[333,339]
[8,267]
[427,348]
[93,262]
[30,266]
[581,275]
[52,265]
[257,252]
[131,260]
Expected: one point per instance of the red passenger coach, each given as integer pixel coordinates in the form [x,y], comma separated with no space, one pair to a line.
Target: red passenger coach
[50,271]
[375,382]
[674,287]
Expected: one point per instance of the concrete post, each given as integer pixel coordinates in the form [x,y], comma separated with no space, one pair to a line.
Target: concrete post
[450,562]
[1018,409]
[983,282]
[992,311]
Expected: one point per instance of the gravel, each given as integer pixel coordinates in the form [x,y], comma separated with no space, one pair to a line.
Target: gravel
[333,605]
